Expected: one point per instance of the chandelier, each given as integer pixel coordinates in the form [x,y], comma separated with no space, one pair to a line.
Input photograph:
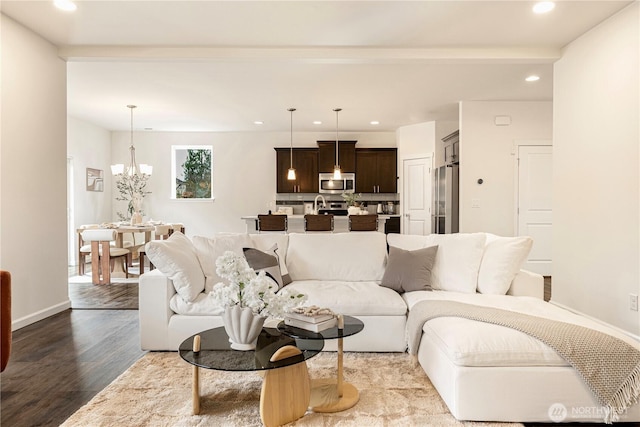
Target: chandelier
[133,170]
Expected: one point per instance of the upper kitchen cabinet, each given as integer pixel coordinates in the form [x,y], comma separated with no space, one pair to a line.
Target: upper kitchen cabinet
[451,148]
[376,170]
[346,156]
[305,162]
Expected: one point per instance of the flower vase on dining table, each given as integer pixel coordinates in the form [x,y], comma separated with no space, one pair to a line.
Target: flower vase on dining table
[243,327]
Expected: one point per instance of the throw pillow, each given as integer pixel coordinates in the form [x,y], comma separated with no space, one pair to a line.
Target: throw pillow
[503,257]
[265,261]
[209,249]
[409,270]
[265,241]
[176,258]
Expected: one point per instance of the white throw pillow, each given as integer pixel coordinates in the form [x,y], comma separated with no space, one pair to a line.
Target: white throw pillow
[176,258]
[457,261]
[502,259]
[408,242]
[208,249]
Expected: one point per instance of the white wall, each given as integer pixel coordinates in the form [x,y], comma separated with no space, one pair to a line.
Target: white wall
[33,240]
[244,180]
[486,151]
[596,253]
[89,146]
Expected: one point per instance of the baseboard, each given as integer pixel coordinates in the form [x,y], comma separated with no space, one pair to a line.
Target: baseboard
[39,315]
[595,319]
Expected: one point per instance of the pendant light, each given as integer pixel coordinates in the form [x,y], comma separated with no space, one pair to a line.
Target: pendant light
[337,173]
[291,174]
[133,169]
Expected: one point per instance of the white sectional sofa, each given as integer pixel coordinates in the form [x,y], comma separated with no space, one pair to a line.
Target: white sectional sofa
[482,371]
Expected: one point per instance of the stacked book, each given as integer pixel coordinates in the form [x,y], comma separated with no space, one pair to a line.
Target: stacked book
[313,323]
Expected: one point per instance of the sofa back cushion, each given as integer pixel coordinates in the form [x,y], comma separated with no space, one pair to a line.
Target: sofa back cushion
[337,256]
[457,261]
[501,261]
[209,249]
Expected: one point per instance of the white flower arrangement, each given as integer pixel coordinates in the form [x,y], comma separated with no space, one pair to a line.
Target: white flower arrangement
[248,289]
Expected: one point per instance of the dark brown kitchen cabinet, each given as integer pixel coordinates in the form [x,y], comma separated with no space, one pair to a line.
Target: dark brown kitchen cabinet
[305,162]
[346,156]
[376,170]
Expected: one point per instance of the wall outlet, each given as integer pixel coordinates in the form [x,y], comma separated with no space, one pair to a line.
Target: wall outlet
[633,302]
[475,203]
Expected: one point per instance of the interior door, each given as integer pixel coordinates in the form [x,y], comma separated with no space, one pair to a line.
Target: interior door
[535,211]
[416,179]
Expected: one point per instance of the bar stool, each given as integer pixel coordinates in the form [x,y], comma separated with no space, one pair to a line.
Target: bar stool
[272,223]
[103,254]
[363,222]
[318,222]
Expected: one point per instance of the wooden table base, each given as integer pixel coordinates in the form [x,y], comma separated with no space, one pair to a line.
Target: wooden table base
[325,398]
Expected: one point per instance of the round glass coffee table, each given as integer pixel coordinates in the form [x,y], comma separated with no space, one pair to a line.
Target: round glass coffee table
[282,356]
[330,394]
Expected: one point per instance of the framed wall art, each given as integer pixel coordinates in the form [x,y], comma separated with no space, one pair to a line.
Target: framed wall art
[192,172]
[95,179]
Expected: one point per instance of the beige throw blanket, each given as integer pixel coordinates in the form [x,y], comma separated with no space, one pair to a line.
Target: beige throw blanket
[609,366]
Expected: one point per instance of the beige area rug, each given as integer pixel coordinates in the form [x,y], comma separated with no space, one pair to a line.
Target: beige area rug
[156,391]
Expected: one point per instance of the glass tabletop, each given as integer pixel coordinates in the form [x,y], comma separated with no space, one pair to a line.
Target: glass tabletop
[216,352]
[352,326]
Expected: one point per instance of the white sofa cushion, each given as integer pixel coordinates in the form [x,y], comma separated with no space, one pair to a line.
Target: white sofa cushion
[457,261]
[471,343]
[355,256]
[352,298]
[176,258]
[209,249]
[202,305]
[501,261]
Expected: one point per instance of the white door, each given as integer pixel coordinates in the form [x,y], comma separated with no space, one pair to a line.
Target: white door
[535,213]
[416,195]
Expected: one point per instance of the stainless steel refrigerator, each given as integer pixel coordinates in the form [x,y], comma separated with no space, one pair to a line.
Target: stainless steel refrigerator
[445,199]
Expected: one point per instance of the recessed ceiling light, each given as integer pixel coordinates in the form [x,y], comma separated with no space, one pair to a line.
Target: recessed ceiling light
[317,122]
[532,78]
[543,7]
[374,122]
[66,5]
[258,122]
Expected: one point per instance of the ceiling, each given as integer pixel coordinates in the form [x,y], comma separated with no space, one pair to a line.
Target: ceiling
[222,65]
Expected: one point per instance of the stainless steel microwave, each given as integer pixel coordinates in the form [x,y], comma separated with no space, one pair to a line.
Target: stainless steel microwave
[328,185]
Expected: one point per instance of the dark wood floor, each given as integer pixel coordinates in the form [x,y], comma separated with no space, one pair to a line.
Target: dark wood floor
[58,364]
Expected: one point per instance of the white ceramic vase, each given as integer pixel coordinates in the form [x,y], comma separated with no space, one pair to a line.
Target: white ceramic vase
[242,326]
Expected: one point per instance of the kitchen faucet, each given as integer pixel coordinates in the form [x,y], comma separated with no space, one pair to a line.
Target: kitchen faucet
[315,203]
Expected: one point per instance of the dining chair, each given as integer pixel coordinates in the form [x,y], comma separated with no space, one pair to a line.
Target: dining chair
[272,223]
[363,222]
[84,249]
[176,226]
[318,222]
[103,255]
[160,232]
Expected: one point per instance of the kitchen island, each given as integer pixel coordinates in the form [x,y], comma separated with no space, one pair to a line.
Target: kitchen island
[296,223]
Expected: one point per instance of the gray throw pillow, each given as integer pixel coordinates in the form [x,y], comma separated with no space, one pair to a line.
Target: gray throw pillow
[267,261]
[409,270]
